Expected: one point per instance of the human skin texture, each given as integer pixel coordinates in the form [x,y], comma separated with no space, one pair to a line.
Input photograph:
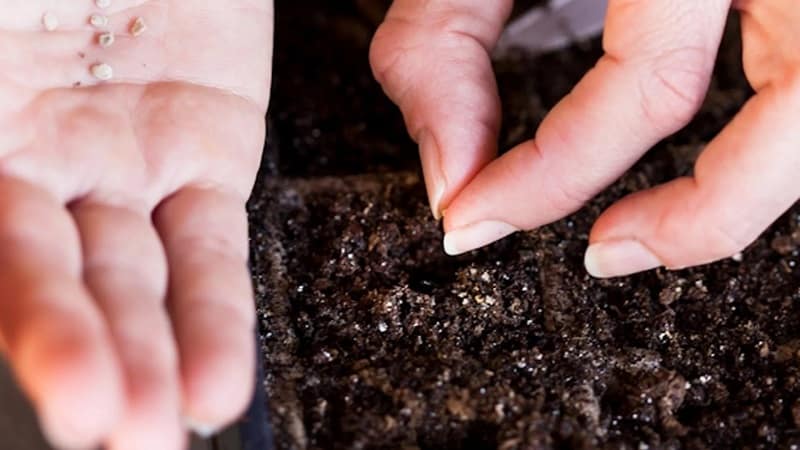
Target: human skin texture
[432,58]
[126,305]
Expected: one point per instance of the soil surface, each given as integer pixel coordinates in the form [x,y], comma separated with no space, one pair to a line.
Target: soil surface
[374,339]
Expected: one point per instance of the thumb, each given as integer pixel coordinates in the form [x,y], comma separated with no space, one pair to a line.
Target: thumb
[432,59]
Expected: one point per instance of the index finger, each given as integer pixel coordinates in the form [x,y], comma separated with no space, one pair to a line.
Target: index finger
[650,82]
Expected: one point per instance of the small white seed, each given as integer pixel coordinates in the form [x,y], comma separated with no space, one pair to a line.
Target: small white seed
[50,21]
[102,71]
[98,20]
[138,27]
[106,39]
[102,3]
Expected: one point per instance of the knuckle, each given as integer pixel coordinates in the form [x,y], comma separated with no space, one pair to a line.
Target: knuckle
[565,197]
[389,57]
[673,86]
[564,194]
[219,247]
[399,38]
[383,52]
[156,344]
[705,241]
[394,40]
[789,86]
[692,227]
[212,296]
[697,235]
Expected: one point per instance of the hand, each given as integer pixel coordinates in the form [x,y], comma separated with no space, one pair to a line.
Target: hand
[125,301]
[433,60]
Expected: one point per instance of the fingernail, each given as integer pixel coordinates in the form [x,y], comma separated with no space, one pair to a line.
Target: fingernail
[619,258]
[199,428]
[436,199]
[477,235]
[432,171]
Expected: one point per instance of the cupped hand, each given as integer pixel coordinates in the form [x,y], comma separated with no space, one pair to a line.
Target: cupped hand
[433,60]
[125,302]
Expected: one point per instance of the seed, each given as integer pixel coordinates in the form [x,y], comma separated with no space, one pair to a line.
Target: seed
[138,27]
[102,71]
[50,21]
[98,20]
[102,3]
[106,39]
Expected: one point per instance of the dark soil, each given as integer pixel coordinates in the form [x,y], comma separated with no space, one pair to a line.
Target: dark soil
[374,339]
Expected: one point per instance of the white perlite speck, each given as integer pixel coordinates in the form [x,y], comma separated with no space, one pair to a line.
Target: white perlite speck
[138,27]
[50,21]
[106,39]
[102,3]
[98,20]
[102,71]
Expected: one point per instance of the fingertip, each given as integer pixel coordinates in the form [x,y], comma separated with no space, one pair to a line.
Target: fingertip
[435,183]
[75,384]
[619,258]
[450,247]
[215,400]
[149,431]
[435,199]
[199,428]
[480,234]
[218,379]
[617,221]
[616,246]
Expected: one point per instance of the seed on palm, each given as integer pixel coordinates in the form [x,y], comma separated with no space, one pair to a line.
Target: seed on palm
[138,27]
[98,20]
[50,21]
[106,39]
[102,71]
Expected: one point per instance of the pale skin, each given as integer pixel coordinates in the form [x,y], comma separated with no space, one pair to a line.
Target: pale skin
[126,307]
[432,58]
[125,303]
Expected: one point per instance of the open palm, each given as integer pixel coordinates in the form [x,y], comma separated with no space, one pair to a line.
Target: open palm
[125,302]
